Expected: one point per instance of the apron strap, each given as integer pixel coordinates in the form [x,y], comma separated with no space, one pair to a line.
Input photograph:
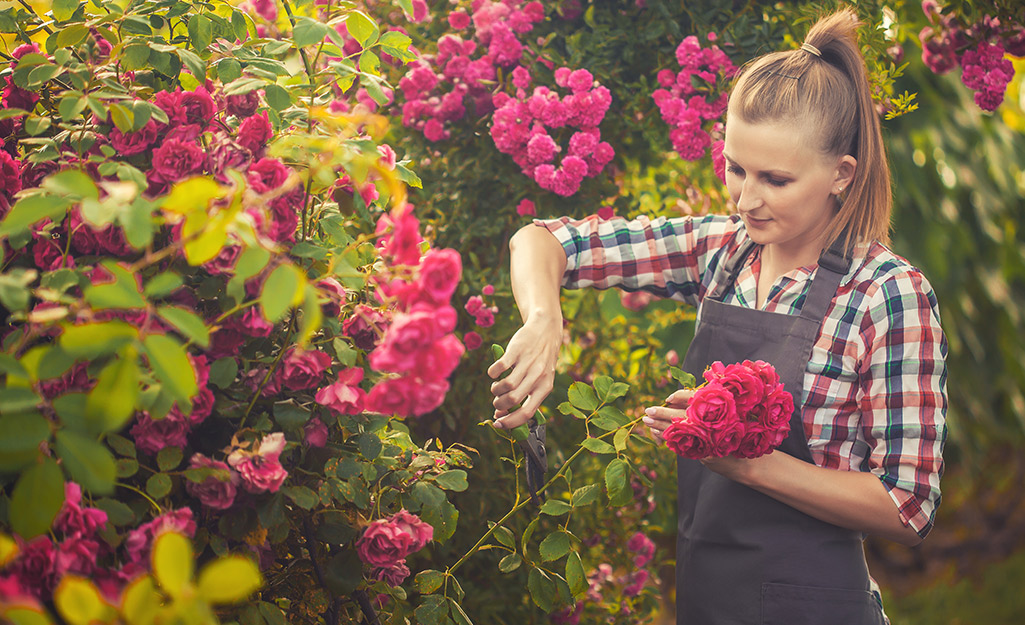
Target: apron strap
[732,268]
[833,266]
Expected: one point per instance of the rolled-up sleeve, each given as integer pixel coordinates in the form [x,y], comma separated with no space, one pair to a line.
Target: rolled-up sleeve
[671,258]
[903,395]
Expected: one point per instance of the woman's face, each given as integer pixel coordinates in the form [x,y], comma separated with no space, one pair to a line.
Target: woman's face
[783,185]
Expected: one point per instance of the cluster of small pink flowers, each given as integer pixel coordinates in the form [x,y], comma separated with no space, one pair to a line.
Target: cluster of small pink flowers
[436,87]
[522,126]
[742,410]
[695,95]
[418,343]
[483,315]
[526,208]
[386,543]
[261,471]
[979,49]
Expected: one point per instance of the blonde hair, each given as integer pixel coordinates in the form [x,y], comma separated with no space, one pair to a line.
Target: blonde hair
[829,90]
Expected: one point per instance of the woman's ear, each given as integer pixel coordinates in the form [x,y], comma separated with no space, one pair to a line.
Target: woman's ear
[845,169]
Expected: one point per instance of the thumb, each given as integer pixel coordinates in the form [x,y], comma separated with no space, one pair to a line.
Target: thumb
[680,397]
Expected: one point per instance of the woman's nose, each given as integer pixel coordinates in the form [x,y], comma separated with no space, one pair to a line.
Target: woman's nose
[749,199]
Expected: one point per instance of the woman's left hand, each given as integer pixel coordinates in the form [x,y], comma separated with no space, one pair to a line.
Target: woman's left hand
[731,467]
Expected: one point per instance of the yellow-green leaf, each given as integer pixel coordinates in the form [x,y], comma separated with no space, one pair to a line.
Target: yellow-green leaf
[172,562]
[79,602]
[281,291]
[8,550]
[194,194]
[229,579]
[140,601]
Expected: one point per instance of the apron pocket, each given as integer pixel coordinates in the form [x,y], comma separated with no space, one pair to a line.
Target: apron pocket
[784,604]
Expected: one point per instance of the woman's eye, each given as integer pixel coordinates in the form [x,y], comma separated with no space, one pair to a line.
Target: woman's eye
[733,169]
[777,182]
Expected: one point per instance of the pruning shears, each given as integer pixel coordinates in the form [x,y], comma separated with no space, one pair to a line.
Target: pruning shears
[531,438]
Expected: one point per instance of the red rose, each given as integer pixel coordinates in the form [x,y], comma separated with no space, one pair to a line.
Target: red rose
[254,132]
[175,160]
[778,407]
[198,107]
[688,438]
[726,437]
[712,404]
[10,175]
[765,371]
[267,174]
[472,340]
[383,544]
[242,105]
[303,370]
[136,142]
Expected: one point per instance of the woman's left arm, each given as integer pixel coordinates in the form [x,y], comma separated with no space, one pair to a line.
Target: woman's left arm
[850,499]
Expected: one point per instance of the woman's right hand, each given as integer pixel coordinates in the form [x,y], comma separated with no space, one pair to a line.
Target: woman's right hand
[530,360]
[658,418]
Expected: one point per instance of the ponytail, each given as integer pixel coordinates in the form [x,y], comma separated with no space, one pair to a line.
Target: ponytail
[825,83]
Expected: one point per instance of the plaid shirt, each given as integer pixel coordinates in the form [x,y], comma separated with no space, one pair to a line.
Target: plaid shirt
[875,387]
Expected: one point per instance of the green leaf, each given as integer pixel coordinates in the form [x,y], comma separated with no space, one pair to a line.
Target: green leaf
[433,610]
[192,62]
[71,107]
[123,117]
[223,372]
[343,572]
[554,507]
[79,602]
[602,384]
[452,480]
[17,399]
[117,513]
[458,615]
[610,418]
[510,563]
[618,389]
[90,340]
[598,446]
[682,378]
[201,31]
[163,284]
[615,479]
[442,518]
[620,439]
[428,581]
[554,546]
[585,495]
[32,209]
[302,496]
[121,445]
[271,613]
[126,467]
[135,56]
[582,396]
[169,458]
[362,28]
[158,485]
[228,70]
[37,498]
[505,536]
[170,364]
[64,9]
[308,32]
[575,576]
[88,462]
[279,292]
[36,125]
[542,589]
[72,35]
[19,444]
[369,445]
[229,580]
[123,292]
[187,322]
[112,402]
[173,563]
[277,97]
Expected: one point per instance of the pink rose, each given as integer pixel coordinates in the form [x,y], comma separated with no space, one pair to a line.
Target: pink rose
[765,371]
[643,546]
[261,471]
[401,236]
[458,20]
[364,327]
[383,544]
[344,396]
[174,160]
[688,438]
[35,566]
[136,142]
[315,433]
[198,107]
[301,370]
[441,359]
[151,435]
[392,575]
[712,404]
[525,208]
[472,340]
[335,297]
[267,174]
[219,488]
[254,132]
[747,387]
[758,441]
[422,533]
[76,554]
[139,541]
[778,408]
[252,322]
[440,271]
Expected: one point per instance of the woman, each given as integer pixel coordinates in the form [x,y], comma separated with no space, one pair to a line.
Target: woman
[800,278]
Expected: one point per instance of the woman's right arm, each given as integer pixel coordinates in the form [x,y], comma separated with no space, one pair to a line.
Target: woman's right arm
[537,264]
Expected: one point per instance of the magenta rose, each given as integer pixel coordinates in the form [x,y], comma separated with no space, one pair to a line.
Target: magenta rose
[441,359]
[73,518]
[267,174]
[170,103]
[344,396]
[76,554]
[243,104]
[35,566]
[726,437]
[335,297]
[254,132]
[315,433]
[139,541]
[711,404]
[10,175]
[688,438]
[198,107]
[765,371]
[391,396]
[301,370]
[408,335]
[440,271]
[151,435]
[261,471]
[226,154]
[48,253]
[383,544]
[778,408]
[422,533]
[219,488]
[175,160]
[472,340]
[757,441]
[392,575]
[224,262]
[401,236]
[128,144]
[747,387]
[364,327]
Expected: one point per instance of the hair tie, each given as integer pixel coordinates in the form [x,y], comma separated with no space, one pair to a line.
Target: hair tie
[807,47]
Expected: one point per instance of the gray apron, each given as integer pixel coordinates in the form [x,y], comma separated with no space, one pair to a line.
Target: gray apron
[744,558]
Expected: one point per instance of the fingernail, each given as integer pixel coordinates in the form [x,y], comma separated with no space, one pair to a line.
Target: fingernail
[649,411]
[648,420]
[498,426]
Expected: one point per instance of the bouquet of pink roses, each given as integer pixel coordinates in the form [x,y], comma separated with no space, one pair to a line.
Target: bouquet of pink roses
[741,410]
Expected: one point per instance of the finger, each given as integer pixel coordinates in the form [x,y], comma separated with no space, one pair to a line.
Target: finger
[499,367]
[681,396]
[535,382]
